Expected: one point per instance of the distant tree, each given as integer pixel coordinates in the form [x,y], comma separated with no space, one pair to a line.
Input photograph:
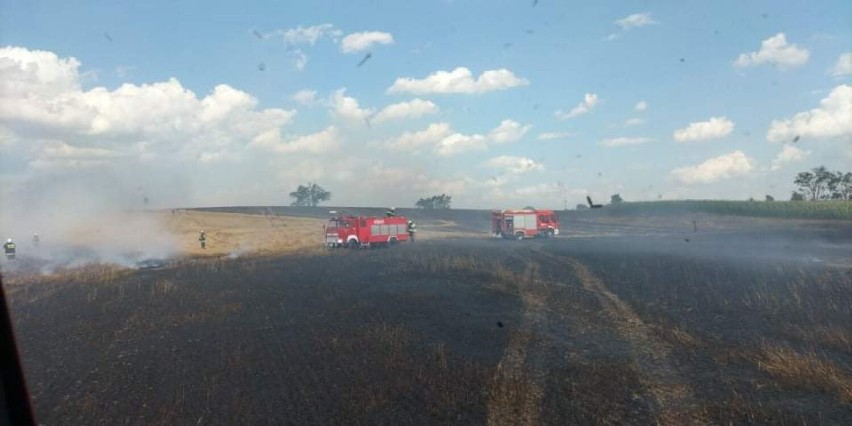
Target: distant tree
[829,181]
[822,184]
[751,199]
[769,198]
[442,201]
[309,195]
[615,199]
[809,186]
[582,207]
[844,186]
[797,196]
[839,186]
[529,208]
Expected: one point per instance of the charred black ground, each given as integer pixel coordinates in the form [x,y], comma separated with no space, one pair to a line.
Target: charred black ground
[622,320]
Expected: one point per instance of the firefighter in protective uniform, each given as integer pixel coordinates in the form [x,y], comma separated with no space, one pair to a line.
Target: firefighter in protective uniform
[202,239]
[412,229]
[10,249]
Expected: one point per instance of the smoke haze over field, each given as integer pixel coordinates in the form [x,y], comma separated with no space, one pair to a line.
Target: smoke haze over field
[84,218]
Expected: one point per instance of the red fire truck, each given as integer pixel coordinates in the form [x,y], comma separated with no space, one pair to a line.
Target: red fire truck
[360,231]
[522,224]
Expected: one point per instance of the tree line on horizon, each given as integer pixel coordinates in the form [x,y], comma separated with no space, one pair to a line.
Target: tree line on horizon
[311,194]
[816,184]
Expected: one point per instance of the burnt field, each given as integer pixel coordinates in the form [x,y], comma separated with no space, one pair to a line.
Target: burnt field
[621,320]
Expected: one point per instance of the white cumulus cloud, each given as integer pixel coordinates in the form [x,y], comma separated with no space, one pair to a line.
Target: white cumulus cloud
[725,166]
[623,141]
[300,59]
[412,109]
[513,165]
[347,107]
[309,35]
[159,140]
[459,80]
[60,155]
[446,142]
[305,97]
[458,143]
[590,100]
[635,20]
[546,192]
[413,141]
[788,155]
[42,101]
[546,136]
[508,131]
[7,137]
[301,36]
[832,120]
[775,51]
[641,106]
[633,122]
[843,66]
[714,128]
[41,92]
[317,143]
[39,73]
[359,42]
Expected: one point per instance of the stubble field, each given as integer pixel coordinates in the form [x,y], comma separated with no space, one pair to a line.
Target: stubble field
[621,320]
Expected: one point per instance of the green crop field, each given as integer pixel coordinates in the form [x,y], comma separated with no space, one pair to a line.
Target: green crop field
[825,209]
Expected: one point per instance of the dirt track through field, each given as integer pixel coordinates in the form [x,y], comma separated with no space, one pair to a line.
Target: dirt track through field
[672,392]
[516,390]
[517,386]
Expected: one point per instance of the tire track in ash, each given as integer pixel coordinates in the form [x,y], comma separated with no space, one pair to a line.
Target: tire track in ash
[671,391]
[516,388]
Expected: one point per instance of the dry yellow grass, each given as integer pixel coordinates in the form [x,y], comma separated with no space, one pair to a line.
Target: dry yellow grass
[234,233]
[806,370]
[514,394]
[93,273]
[173,234]
[828,336]
[678,336]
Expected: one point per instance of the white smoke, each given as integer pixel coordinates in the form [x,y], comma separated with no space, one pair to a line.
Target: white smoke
[93,218]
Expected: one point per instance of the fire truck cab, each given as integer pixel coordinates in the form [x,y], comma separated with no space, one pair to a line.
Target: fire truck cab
[361,231]
[520,224]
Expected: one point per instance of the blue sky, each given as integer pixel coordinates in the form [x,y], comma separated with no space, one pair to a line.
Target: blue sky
[729,77]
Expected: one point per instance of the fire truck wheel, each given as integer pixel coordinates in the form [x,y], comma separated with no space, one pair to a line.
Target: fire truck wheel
[392,241]
[519,236]
[353,244]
